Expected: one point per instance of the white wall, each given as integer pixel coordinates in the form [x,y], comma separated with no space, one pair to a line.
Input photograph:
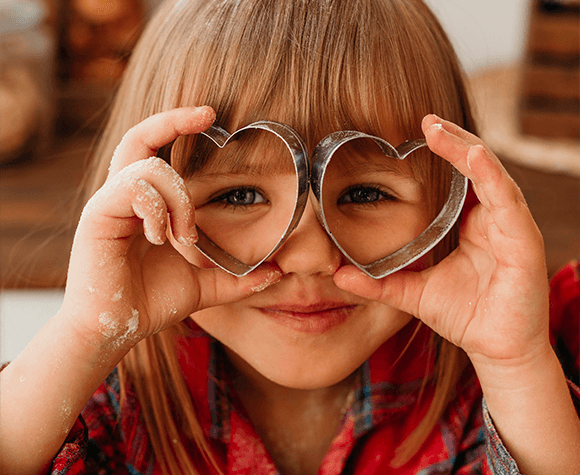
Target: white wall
[22,314]
[484,32]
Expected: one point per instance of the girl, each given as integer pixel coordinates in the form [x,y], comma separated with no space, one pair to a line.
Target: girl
[304,365]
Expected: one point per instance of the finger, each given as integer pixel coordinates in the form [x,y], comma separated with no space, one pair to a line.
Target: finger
[144,139]
[218,287]
[172,188]
[494,188]
[502,198]
[450,142]
[149,205]
[108,213]
[401,290]
[452,128]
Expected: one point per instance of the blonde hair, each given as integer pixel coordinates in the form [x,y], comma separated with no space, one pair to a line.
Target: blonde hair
[318,66]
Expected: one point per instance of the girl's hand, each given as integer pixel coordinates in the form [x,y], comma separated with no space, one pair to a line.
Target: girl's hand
[126,281]
[489,296]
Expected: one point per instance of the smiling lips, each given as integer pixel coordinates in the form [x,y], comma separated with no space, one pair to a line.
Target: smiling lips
[317,318]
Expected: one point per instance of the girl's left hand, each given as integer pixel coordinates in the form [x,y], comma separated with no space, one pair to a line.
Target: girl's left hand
[490,295]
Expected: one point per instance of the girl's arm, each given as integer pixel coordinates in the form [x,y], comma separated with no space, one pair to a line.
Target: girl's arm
[490,297]
[43,391]
[125,282]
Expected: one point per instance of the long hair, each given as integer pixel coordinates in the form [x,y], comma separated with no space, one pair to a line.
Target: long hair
[318,66]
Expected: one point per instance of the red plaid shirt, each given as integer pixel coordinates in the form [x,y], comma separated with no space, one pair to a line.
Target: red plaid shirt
[112,439]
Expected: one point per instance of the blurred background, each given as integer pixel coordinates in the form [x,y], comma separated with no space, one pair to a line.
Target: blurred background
[60,62]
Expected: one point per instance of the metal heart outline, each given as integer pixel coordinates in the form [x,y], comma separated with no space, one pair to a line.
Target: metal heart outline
[423,243]
[299,155]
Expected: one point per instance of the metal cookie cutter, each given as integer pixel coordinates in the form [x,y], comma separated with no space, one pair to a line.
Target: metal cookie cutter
[322,155]
[299,156]
[423,243]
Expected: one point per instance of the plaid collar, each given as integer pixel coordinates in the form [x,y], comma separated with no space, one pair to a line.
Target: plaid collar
[372,402]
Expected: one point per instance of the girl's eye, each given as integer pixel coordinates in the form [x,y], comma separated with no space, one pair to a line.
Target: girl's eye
[240,197]
[364,194]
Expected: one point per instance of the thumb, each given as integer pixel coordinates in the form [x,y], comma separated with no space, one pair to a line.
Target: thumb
[402,289]
[218,287]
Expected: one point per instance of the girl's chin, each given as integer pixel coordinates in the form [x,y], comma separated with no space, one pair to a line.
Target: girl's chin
[299,373]
[314,380]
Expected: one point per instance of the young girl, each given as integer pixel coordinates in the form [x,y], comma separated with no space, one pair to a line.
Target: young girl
[306,364]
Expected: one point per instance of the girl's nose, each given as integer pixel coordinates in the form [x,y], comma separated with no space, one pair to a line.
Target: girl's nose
[309,249]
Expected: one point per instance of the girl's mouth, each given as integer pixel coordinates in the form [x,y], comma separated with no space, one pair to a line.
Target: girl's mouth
[316,319]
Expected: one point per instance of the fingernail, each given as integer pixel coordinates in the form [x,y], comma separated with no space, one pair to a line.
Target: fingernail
[186,241]
[207,112]
[272,277]
[434,127]
[151,235]
[429,121]
[474,149]
[468,160]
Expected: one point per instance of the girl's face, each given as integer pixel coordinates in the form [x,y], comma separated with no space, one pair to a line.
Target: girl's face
[305,332]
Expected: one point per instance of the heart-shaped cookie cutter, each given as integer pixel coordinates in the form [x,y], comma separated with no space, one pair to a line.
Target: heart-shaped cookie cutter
[423,243]
[321,157]
[299,155]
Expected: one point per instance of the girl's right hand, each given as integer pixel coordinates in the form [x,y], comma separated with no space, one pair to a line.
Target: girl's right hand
[126,281]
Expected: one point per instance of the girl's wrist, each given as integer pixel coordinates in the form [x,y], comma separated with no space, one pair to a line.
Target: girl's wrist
[532,410]
[99,346]
[45,388]
[515,373]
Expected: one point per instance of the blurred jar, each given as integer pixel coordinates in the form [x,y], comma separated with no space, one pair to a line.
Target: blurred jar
[27,52]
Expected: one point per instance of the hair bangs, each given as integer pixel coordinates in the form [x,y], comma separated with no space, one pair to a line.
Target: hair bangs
[339,67]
